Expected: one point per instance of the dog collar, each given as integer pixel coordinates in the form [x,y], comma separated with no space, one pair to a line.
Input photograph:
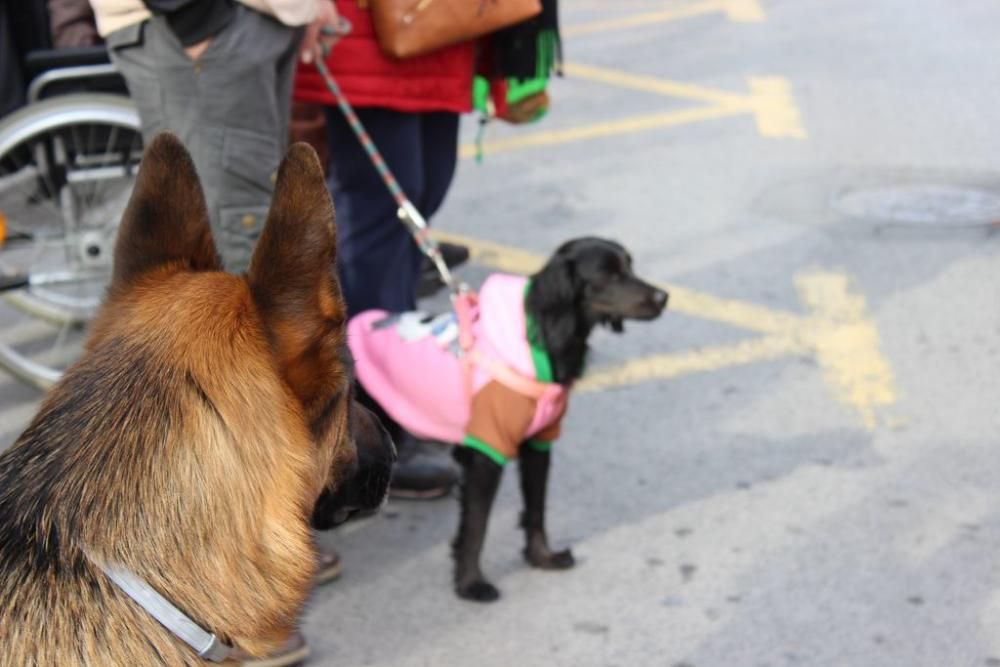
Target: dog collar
[207,645]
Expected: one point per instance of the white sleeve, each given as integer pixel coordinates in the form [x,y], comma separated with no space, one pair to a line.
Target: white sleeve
[289,12]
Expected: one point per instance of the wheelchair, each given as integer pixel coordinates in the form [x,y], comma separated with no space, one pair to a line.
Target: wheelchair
[68,160]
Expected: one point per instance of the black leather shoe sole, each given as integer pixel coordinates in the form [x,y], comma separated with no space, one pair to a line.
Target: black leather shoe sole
[420,494]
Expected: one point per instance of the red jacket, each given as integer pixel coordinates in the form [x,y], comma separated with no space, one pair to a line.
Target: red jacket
[439,81]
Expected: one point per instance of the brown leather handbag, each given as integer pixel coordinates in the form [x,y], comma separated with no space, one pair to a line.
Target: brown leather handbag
[407,28]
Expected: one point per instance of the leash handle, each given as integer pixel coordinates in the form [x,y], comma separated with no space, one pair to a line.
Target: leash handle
[408,214]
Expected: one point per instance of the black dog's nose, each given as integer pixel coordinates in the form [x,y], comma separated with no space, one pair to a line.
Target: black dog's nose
[660,298]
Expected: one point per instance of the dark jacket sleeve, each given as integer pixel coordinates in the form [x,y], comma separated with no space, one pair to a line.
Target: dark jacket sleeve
[193,20]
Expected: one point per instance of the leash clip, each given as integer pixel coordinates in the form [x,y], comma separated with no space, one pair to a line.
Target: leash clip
[415,222]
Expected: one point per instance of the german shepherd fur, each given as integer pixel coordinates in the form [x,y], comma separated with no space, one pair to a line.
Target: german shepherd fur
[191,441]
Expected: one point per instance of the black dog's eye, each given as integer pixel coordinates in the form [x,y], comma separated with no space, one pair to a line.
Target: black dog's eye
[610,270]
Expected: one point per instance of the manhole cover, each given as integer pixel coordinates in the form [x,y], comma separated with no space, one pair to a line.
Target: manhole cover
[921,204]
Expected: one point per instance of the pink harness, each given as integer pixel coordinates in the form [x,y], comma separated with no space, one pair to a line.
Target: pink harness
[426,385]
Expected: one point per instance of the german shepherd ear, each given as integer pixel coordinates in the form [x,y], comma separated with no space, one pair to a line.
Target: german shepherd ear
[166,221]
[292,276]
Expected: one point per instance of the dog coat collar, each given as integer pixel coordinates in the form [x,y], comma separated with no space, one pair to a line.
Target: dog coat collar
[466,305]
[207,645]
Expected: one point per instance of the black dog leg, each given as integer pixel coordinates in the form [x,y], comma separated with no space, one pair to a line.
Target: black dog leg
[534,467]
[480,482]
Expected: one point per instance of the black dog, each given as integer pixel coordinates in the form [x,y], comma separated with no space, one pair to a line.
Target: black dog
[587,282]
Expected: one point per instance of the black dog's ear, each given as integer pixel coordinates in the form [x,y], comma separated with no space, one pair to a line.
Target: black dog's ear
[552,300]
[555,284]
[617,325]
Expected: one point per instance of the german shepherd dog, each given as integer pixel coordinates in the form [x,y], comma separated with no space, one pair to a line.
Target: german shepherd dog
[190,443]
[411,383]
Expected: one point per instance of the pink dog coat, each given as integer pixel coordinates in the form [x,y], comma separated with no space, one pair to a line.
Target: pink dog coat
[409,363]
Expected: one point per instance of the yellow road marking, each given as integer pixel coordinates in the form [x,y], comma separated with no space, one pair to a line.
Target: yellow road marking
[734,313]
[663,366]
[742,11]
[596,130]
[770,99]
[650,84]
[770,102]
[837,331]
[644,19]
[847,344]
[495,255]
[775,111]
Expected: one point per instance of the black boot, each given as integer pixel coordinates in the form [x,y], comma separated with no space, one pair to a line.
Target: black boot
[423,471]
[430,280]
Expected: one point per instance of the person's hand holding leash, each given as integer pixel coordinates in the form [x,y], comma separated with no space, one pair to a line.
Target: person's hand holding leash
[315,33]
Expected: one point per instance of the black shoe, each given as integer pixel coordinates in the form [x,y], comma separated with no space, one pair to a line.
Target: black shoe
[328,567]
[430,280]
[424,470]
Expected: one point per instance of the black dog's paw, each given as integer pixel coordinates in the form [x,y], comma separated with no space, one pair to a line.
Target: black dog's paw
[479,590]
[549,560]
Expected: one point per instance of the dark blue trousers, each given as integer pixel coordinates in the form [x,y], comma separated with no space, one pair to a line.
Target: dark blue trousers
[379,263]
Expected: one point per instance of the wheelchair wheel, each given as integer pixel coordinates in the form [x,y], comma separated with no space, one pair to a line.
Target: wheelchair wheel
[67,165]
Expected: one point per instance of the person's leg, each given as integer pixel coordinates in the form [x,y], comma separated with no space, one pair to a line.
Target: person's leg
[439,134]
[439,150]
[134,57]
[378,260]
[230,108]
[244,98]
[284,69]
[376,256]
